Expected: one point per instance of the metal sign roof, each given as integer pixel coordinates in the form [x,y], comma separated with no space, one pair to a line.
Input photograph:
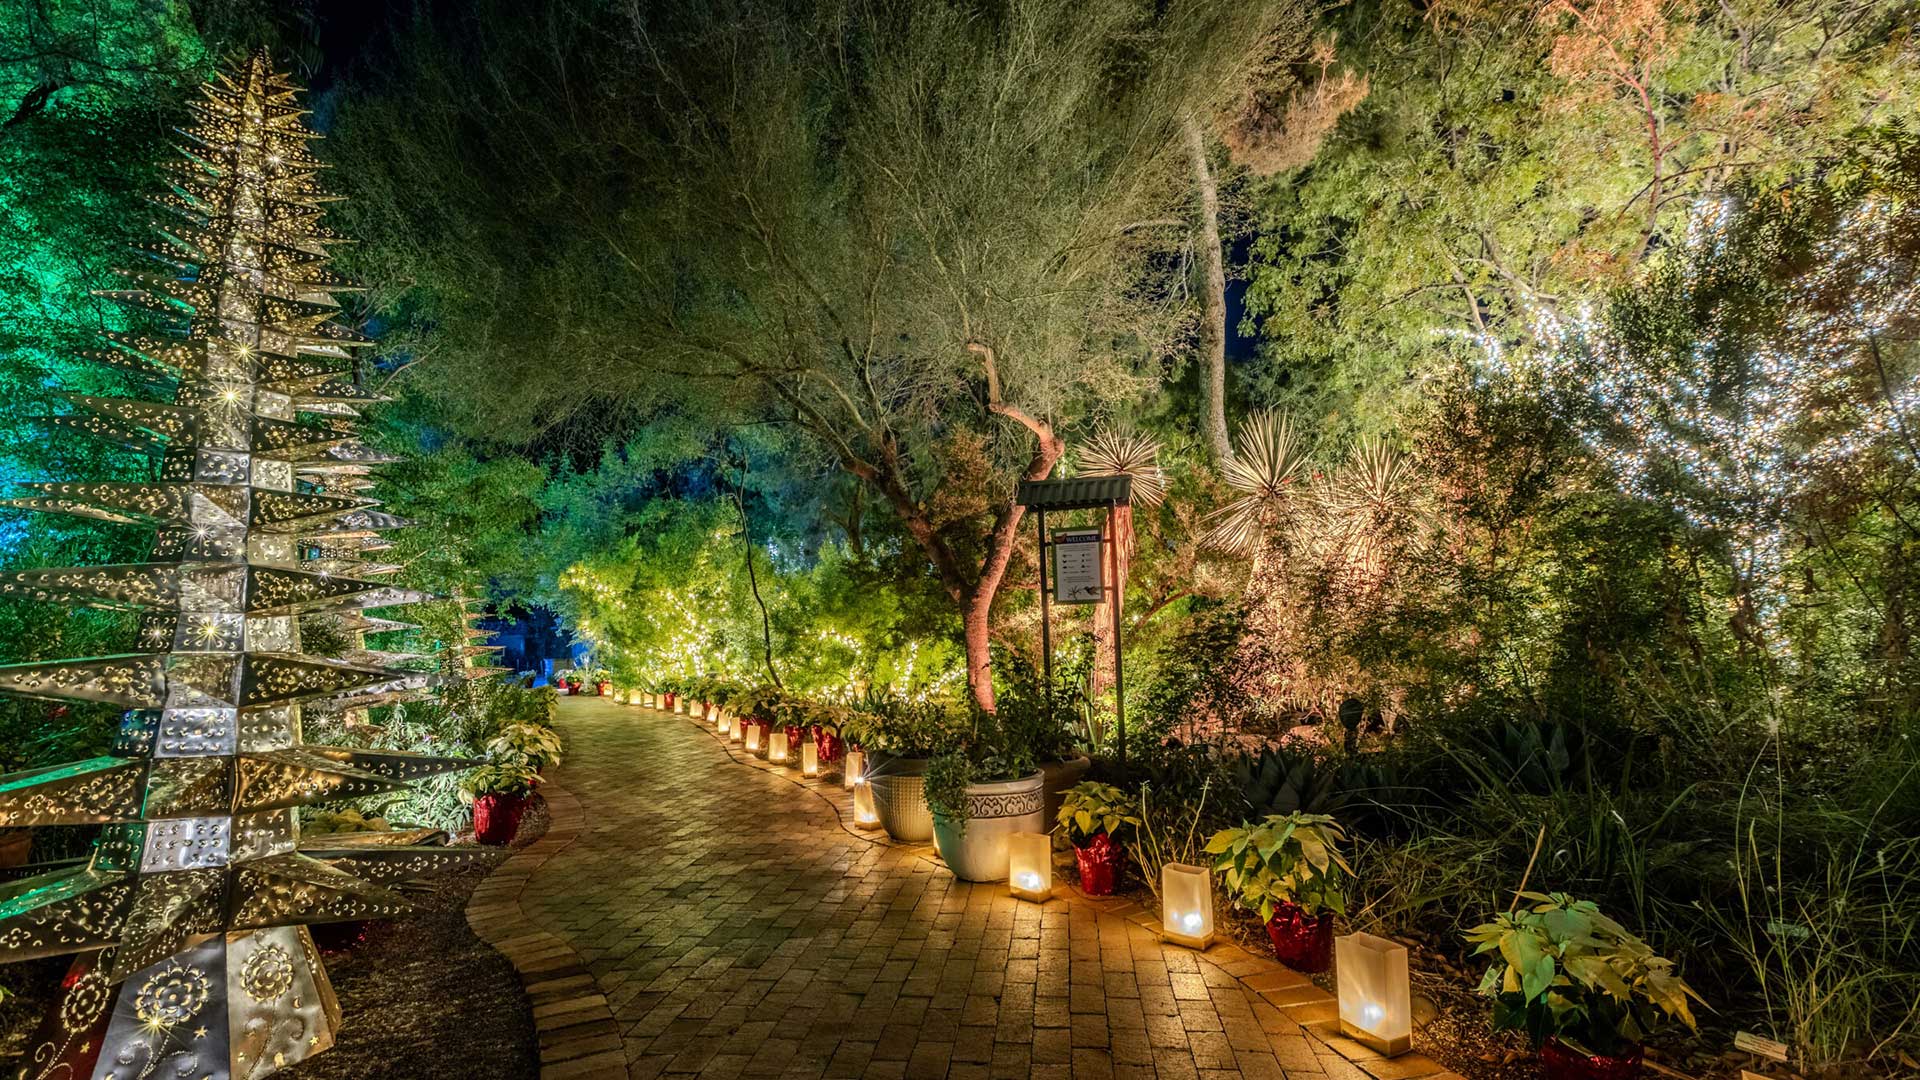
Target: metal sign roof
[1077,493]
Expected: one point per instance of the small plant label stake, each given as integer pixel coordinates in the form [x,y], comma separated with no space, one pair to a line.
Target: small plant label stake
[1760,1046]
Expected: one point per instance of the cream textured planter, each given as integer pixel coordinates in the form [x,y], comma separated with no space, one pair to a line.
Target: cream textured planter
[994,813]
[900,798]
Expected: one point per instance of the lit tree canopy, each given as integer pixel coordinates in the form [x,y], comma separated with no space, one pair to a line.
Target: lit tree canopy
[925,264]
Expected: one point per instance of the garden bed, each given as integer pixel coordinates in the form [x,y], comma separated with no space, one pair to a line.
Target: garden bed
[418,986]
[408,991]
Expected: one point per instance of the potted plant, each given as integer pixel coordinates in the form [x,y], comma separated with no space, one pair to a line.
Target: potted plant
[980,793]
[1092,814]
[498,793]
[535,745]
[602,682]
[1586,991]
[902,736]
[1289,869]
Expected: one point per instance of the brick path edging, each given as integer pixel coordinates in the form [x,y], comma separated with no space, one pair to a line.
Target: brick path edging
[578,1034]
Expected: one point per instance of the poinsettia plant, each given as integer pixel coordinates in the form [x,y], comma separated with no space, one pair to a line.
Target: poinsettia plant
[1561,969]
[498,778]
[1287,858]
[533,745]
[1090,808]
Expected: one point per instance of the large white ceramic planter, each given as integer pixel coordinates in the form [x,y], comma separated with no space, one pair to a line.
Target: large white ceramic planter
[900,799]
[978,852]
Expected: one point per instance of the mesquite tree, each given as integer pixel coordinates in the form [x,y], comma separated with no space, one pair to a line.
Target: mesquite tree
[922,236]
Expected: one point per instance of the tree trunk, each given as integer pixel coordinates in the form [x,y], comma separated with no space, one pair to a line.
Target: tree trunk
[976,631]
[1213,331]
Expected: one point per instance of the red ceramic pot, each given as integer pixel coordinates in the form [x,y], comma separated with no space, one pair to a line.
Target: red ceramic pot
[830,748]
[795,736]
[1100,861]
[496,818]
[603,688]
[1558,1061]
[1301,941]
[669,705]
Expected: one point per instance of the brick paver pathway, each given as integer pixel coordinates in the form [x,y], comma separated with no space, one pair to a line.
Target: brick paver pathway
[693,912]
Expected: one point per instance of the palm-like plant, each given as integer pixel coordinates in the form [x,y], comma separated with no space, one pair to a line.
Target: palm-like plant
[1269,463]
[1374,496]
[1137,457]
[1110,453]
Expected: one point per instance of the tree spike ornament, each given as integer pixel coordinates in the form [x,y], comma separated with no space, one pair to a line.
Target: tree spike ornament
[190,916]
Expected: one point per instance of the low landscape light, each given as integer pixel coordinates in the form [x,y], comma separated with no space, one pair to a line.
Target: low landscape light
[1187,895]
[809,758]
[1030,865]
[864,815]
[777,746]
[854,767]
[1376,1007]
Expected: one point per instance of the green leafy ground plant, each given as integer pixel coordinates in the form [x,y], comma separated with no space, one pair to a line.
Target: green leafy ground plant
[1563,970]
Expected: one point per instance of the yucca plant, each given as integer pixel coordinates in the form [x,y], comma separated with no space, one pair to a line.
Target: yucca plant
[1110,453]
[1136,457]
[1368,500]
[1267,475]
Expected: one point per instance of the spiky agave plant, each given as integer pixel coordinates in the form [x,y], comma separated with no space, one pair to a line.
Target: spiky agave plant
[1267,473]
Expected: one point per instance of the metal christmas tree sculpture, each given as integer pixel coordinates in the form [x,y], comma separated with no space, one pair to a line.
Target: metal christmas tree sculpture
[189,918]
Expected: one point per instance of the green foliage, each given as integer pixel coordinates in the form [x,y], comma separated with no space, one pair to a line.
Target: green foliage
[534,745]
[1283,780]
[1189,678]
[498,778]
[905,728]
[348,820]
[1090,808]
[1561,968]
[946,781]
[1287,857]
[1503,163]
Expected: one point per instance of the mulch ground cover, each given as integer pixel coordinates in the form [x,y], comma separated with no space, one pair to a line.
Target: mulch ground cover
[424,999]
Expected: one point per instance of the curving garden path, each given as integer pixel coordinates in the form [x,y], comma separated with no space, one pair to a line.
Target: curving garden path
[691,912]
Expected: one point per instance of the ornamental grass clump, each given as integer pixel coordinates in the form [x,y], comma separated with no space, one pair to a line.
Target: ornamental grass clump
[1563,971]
